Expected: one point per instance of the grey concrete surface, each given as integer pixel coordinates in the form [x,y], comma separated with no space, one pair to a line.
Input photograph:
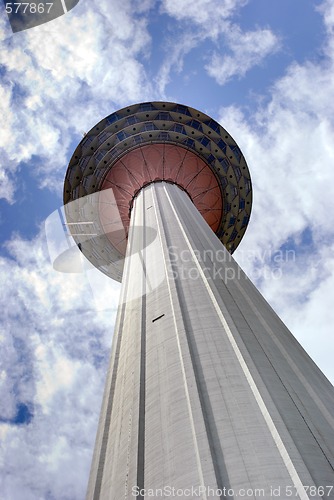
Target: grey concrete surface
[207,389]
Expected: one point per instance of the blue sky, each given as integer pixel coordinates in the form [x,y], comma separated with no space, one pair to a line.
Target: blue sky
[264,69]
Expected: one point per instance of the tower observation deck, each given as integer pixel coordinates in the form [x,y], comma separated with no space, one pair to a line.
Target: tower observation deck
[208,395]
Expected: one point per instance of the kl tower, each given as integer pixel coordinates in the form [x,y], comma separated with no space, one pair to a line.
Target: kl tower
[208,394]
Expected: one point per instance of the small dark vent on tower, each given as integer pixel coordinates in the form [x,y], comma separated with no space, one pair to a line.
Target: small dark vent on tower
[158,317]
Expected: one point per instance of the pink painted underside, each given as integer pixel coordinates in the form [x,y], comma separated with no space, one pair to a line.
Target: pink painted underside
[154,162]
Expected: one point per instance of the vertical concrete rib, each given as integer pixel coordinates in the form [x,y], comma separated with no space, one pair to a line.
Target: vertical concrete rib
[142,381]
[98,461]
[266,415]
[211,430]
[179,324]
[106,424]
[314,408]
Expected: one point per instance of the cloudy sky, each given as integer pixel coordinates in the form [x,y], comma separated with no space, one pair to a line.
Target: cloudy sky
[264,69]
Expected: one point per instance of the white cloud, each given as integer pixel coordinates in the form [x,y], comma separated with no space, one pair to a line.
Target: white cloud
[289,151]
[55,347]
[246,49]
[208,14]
[208,20]
[88,62]
[173,63]
[6,187]
[301,290]
[289,148]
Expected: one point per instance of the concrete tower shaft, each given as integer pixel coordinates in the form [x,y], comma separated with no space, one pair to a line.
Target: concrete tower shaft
[208,394]
[206,387]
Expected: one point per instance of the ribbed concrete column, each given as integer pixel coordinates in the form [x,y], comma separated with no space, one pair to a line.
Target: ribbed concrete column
[207,389]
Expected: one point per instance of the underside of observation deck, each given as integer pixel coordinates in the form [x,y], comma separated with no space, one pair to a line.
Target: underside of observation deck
[145,143]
